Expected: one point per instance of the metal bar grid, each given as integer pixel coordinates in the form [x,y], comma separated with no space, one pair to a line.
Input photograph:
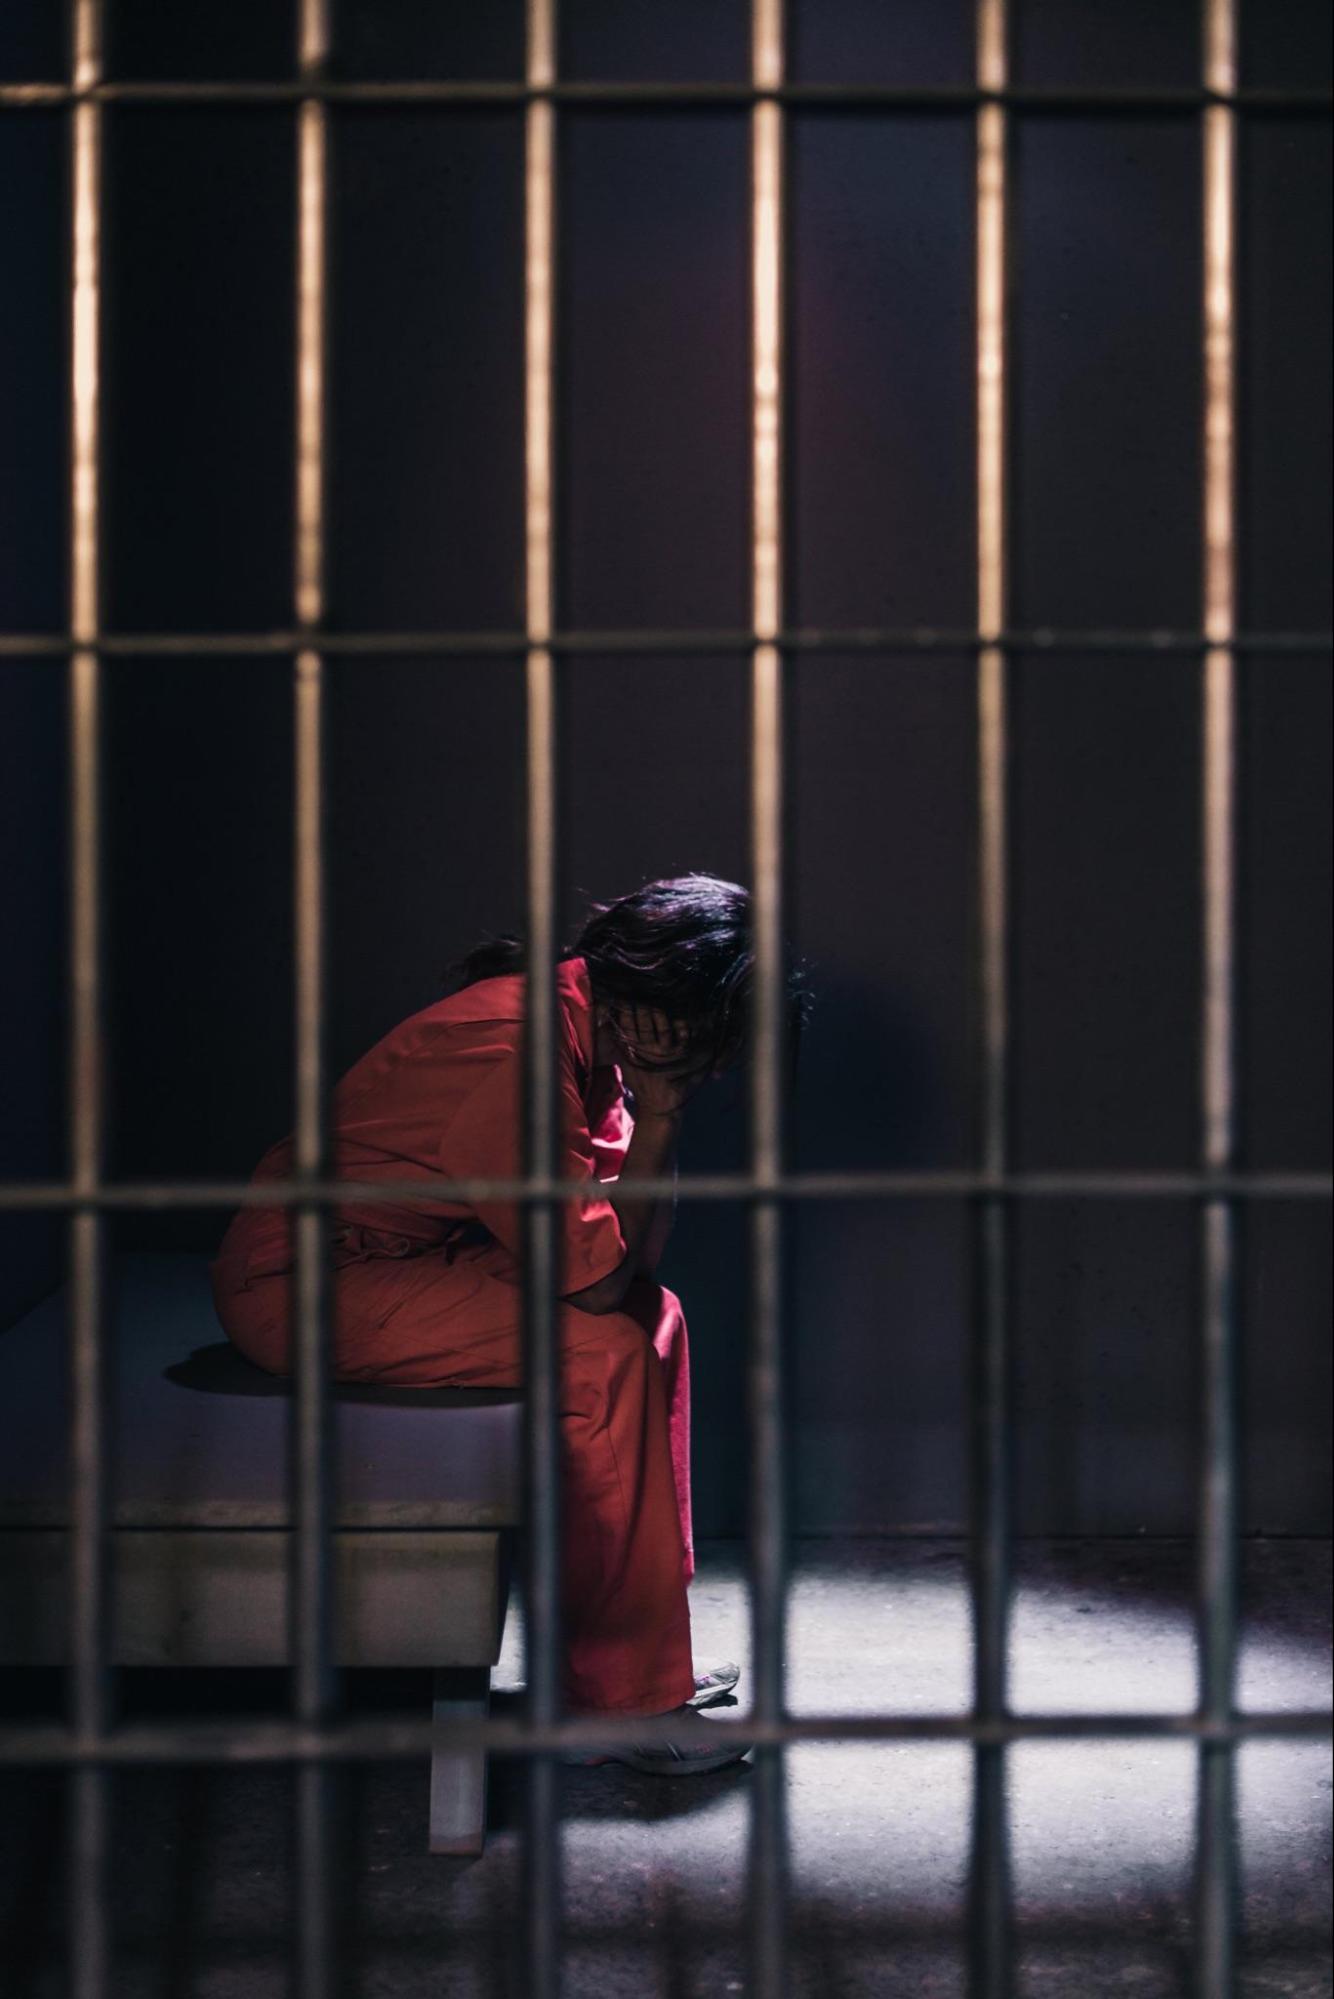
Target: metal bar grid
[314,1739]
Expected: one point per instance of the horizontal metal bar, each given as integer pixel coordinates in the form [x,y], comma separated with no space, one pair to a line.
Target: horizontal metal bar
[924,1186]
[384,1738]
[622,96]
[656,640]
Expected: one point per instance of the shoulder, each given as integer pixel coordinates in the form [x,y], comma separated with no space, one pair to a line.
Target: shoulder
[502,1002]
[504,997]
[487,1018]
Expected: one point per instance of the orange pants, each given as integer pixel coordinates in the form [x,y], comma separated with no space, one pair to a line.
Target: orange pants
[425,1321]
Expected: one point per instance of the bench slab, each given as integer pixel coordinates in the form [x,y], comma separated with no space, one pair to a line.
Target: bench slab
[198,1436]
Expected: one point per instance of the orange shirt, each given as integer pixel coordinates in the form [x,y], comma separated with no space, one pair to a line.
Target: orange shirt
[439,1098]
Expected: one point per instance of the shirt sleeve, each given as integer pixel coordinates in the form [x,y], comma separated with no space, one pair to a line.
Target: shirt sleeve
[483,1143]
[611,1128]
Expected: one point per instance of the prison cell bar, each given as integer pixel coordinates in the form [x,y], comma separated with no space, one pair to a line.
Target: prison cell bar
[89,1704]
[989,1886]
[311,1581]
[696,640]
[766,1510]
[1057,99]
[939,1184]
[51,1745]
[542,1443]
[1217,1893]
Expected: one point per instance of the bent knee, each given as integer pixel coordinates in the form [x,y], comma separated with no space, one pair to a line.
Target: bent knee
[608,1331]
[636,1323]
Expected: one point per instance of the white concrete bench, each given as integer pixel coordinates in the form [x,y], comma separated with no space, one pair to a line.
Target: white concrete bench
[428,1484]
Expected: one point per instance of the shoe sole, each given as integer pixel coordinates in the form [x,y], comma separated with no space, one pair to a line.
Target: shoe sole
[714,1759]
[686,1766]
[654,1766]
[711,1697]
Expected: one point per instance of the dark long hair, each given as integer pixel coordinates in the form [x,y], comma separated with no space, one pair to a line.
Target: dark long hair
[684,945]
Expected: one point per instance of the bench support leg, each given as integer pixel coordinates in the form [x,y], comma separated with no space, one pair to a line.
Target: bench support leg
[458,1777]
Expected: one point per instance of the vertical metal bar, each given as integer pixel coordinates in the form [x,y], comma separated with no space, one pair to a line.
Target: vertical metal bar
[1216,1883]
[312,1579]
[990,1897]
[542,1441]
[767,1509]
[89,1932]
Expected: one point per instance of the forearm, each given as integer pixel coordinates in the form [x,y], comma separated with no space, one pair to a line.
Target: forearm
[659,1228]
[650,1155]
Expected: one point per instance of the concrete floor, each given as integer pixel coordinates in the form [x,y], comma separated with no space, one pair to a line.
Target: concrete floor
[655,1870]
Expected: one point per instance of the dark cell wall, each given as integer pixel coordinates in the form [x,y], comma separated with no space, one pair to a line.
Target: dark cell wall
[32,700]
[424,755]
[426,346]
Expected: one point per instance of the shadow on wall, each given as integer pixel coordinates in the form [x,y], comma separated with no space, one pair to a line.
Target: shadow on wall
[868,1089]
[874,1290]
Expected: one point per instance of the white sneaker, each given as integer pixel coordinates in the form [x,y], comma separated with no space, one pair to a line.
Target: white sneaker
[714,1685]
[694,1747]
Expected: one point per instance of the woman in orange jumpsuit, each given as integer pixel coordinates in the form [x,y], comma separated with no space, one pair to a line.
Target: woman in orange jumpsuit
[653,998]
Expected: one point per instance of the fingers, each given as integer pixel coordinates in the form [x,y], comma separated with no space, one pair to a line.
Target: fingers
[655,1031]
[651,1042]
[648,1031]
[667,1033]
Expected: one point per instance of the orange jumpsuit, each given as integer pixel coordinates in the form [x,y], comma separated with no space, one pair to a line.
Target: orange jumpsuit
[429,1296]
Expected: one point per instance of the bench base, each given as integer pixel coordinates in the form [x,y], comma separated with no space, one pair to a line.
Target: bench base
[458,1777]
[218,1597]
